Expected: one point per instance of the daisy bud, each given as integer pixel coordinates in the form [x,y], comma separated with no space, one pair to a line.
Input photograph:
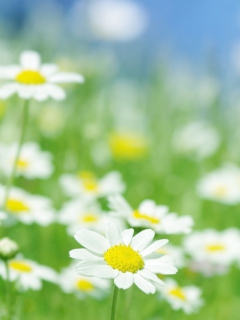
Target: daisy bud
[8,249]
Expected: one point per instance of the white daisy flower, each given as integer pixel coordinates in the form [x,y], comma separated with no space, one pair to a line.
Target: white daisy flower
[31,79]
[32,162]
[78,214]
[221,185]
[122,257]
[27,273]
[186,298]
[196,139]
[87,185]
[28,208]
[81,286]
[149,214]
[212,247]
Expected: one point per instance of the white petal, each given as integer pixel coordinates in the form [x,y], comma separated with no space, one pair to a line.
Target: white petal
[54,91]
[92,240]
[40,94]
[160,266]
[64,77]
[124,280]
[153,247]
[149,275]
[127,236]
[143,284]
[106,272]
[113,234]
[9,72]
[30,60]
[83,254]
[48,69]
[87,268]
[142,239]
[26,91]
[7,90]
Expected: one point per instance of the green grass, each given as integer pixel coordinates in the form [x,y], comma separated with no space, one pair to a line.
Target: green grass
[162,175]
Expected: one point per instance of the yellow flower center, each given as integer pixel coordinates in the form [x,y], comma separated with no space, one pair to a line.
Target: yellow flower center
[89,218]
[216,247]
[89,181]
[220,191]
[142,216]
[177,293]
[15,206]
[124,258]
[127,146]
[30,77]
[22,164]
[20,266]
[84,285]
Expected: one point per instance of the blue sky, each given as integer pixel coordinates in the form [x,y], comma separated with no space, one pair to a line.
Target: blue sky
[184,28]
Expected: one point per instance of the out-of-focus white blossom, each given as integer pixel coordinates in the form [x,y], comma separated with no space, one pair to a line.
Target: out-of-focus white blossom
[186,298]
[71,282]
[87,185]
[198,140]
[32,162]
[221,185]
[28,274]
[151,215]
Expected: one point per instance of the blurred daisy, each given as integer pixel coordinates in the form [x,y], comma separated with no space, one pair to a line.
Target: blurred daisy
[187,298]
[32,163]
[28,208]
[87,185]
[149,214]
[175,252]
[118,20]
[196,139]
[222,185]
[78,214]
[122,257]
[212,247]
[31,79]
[28,274]
[127,146]
[81,286]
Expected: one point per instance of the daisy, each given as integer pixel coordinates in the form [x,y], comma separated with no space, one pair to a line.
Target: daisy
[127,146]
[186,298]
[122,257]
[31,79]
[149,214]
[28,208]
[27,273]
[78,214]
[196,139]
[32,162]
[221,185]
[81,286]
[87,185]
[213,248]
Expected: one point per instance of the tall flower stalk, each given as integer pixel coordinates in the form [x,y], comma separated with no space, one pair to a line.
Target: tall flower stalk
[114,303]
[19,147]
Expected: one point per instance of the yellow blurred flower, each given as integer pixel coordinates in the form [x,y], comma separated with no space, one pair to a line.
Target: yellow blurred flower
[128,146]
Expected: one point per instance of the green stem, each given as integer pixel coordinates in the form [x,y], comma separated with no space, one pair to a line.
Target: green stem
[8,292]
[114,303]
[20,143]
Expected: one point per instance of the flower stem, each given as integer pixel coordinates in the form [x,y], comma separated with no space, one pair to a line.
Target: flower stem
[19,147]
[114,302]
[8,292]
